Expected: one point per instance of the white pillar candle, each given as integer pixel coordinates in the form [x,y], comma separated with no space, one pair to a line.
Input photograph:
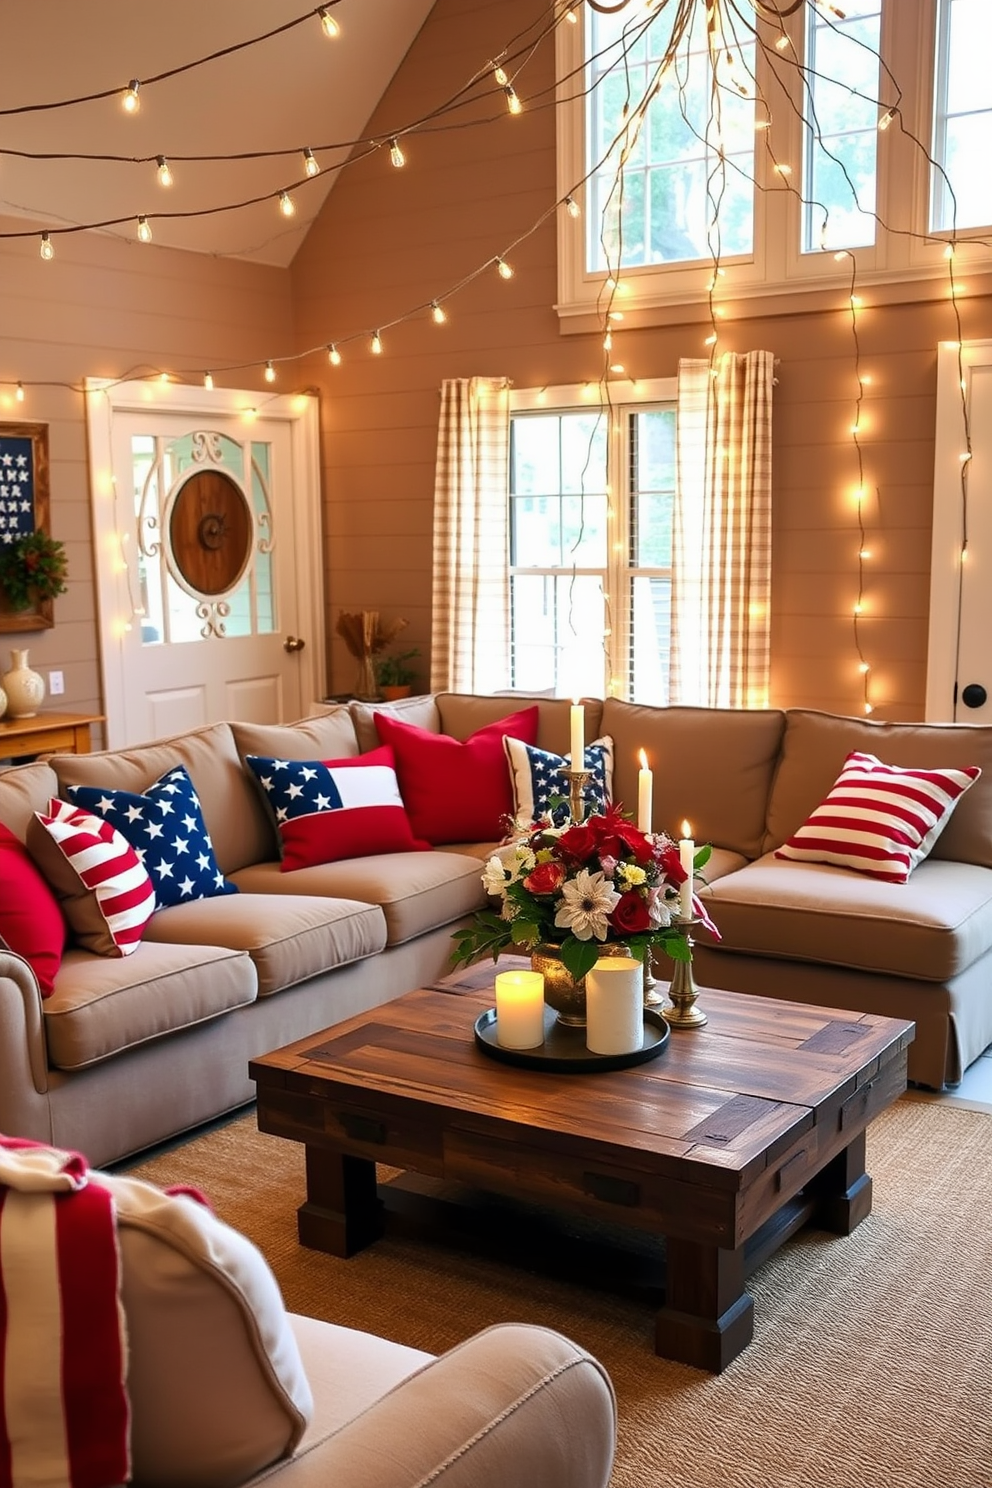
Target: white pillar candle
[520,1009]
[645,786]
[687,852]
[577,719]
[615,1006]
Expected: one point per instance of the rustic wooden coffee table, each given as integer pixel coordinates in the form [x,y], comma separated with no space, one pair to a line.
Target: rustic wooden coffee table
[726,1144]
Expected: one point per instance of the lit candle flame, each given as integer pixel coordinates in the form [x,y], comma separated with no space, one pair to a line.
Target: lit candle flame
[686,829]
[643,759]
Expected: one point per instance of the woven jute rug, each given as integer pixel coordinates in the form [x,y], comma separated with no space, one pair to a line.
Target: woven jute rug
[872,1357]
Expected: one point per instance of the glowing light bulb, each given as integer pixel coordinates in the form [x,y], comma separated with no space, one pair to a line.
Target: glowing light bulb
[608,341]
[396,156]
[503,269]
[571,17]
[287,206]
[144,231]
[864,553]
[19,393]
[47,249]
[310,162]
[571,205]
[165,176]
[886,120]
[130,102]
[782,43]
[437,314]
[859,608]
[328,24]
[869,708]
[512,100]
[711,339]
[500,76]
[783,170]
[270,372]
[375,345]
[208,381]
[617,369]
[333,355]
[949,251]
[762,124]
[856,302]
[864,668]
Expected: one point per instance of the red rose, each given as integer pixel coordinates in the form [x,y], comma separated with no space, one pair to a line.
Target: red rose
[547,878]
[578,843]
[631,914]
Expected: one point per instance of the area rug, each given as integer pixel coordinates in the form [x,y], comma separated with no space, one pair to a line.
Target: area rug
[872,1356]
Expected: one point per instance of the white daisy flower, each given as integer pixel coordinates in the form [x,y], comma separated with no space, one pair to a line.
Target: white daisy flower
[494,876]
[588,899]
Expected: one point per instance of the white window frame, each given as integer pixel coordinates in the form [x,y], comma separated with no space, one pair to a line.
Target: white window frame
[579,398]
[904,268]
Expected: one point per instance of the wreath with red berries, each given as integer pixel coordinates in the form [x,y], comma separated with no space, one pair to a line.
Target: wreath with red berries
[32,569]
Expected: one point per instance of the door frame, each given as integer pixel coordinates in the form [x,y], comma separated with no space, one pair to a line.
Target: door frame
[115,615]
[945,549]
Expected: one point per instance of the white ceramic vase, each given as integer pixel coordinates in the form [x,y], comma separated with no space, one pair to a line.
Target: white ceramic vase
[25,689]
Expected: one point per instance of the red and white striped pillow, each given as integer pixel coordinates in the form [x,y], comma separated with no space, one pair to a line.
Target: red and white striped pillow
[107,897]
[879,819]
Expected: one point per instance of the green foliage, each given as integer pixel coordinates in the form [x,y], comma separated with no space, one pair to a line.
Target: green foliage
[395,671]
[32,569]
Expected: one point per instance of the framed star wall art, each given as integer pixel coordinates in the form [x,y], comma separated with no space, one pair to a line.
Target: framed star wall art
[24,508]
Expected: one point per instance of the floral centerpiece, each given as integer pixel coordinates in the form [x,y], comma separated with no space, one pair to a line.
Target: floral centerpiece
[582,886]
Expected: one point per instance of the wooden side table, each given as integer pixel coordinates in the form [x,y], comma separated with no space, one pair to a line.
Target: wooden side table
[47,733]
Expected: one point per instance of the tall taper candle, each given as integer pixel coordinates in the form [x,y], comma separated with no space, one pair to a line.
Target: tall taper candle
[687,851]
[577,719]
[645,785]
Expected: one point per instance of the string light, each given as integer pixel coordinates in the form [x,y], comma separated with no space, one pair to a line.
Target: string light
[270,372]
[208,381]
[19,392]
[47,249]
[503,269]
[144,231]
[165,176]
[437,313]
[333,355]
[886,120]
[310,164]
[512,99]
[130,102]
[571,205]
[287,206]
[328,24]
[375,345]
[396,156]
[500,76]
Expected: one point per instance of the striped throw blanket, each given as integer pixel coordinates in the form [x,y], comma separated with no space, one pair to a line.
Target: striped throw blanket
[63,1400]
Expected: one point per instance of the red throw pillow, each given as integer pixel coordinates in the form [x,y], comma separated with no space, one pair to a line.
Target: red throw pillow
[454,791]
[326,810]
[31,922]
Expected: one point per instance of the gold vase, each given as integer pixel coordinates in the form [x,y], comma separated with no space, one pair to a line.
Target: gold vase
[561,991]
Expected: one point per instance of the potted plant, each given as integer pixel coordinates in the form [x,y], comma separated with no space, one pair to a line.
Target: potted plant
[394,674]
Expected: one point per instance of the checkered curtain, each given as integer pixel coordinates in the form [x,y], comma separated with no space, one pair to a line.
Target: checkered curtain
[721,558]
[470,649]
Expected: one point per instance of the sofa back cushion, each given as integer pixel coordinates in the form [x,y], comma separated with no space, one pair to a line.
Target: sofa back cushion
[463,713]
[815,746]
[712,767]
[420,710]
[235,816]
[25,789]
[329,735]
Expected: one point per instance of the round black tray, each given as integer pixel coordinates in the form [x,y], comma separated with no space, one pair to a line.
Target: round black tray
[564,1049]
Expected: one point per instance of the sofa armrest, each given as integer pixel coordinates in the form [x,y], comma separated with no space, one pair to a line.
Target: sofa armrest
[514,1404]
[23,1055]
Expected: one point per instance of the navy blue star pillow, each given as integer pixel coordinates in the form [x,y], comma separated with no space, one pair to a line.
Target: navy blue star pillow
[536,777]
[165,827]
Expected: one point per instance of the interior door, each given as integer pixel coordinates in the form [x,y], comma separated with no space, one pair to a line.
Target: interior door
[211,606]
[959,669]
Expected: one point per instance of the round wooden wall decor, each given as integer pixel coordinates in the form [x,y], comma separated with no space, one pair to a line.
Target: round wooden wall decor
[210,532]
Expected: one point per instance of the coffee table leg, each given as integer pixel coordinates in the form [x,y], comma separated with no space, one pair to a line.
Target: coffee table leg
[842,1190]
[708,1317]
[343,1212]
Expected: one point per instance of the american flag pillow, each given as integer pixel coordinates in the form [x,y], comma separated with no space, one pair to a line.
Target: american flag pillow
[879,819]
[326,810]
[106,894]
[536,775]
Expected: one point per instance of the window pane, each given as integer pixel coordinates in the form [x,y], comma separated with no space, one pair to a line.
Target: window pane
[963,116]
[673,172]
[535,531]
[558,625]
[651,635]
[840,172]
[534,455]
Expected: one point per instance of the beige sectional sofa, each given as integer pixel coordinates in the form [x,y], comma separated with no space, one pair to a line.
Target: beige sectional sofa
[127,1052]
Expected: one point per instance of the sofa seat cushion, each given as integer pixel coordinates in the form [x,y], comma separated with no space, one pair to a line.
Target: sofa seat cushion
[289,938]
[416,892]
[102,1006]
[348,1371]
[930,928]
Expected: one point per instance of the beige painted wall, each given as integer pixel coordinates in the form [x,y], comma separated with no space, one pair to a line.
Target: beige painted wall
[106,308]
[390,240]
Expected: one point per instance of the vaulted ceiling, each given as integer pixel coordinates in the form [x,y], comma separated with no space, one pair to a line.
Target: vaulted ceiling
[296,90]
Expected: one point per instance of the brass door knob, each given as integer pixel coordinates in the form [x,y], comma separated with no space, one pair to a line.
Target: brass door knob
[294,643]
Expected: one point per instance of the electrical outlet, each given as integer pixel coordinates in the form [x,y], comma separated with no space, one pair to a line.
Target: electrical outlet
[56,684]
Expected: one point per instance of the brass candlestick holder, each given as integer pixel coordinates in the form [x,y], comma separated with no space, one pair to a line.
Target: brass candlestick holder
[576,792]
[681,1011]
[653,996]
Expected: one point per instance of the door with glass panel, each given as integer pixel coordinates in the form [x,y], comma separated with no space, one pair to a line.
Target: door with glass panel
[207,622]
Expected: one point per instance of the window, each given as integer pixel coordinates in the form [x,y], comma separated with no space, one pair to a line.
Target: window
[770,145]
[591,503]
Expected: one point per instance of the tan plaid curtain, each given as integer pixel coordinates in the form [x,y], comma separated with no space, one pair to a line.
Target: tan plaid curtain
[470,648]
[721,559]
